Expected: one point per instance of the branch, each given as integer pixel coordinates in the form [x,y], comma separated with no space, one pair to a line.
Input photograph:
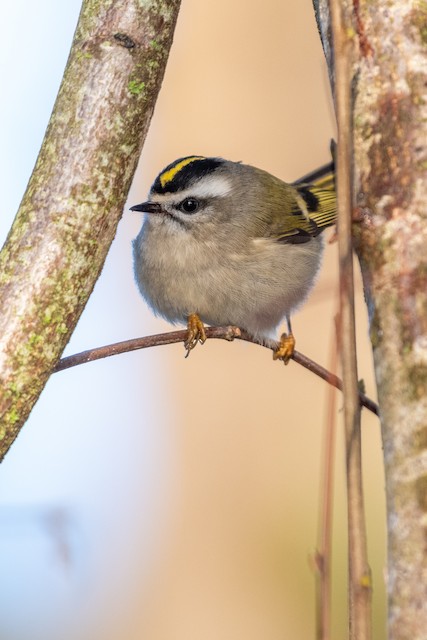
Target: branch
[334,19]
[69,214]
[390,137]
[323,556]
[360,591]
[224,333]
[390,143]
[323,20]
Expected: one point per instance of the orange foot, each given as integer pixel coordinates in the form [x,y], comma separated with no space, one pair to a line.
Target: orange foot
[196,333]
[286,348]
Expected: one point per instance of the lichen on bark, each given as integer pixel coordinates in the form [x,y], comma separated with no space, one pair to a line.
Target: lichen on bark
[390,186]
[69,213]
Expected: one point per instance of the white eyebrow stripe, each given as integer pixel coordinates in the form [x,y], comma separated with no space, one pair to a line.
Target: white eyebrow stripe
[209,186]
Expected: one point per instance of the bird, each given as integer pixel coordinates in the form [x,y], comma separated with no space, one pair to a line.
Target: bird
[225,243]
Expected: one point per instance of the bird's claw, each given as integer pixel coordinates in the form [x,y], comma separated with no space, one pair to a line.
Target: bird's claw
[195,333]
[286,348]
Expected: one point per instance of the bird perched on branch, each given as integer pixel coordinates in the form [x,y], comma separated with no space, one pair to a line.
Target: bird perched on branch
[225,243]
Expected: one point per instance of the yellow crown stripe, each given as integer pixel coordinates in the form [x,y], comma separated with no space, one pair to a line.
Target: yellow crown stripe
[169,175]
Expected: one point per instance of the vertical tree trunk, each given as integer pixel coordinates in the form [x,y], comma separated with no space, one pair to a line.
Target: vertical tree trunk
[75,197]
[390,134]
[390,182]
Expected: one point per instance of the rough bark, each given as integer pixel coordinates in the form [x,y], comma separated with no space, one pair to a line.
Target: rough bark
[68,216]
[390,136]
[390,182]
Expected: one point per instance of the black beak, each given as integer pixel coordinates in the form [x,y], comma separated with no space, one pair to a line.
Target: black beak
[148,207]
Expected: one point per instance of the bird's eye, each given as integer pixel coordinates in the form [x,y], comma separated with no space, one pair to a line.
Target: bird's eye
[189,205]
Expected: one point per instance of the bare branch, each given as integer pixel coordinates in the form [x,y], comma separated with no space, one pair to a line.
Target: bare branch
[390,137]
[323,19]
[323,555]
[360,592]
[74,200]
[390,159]
[224,333]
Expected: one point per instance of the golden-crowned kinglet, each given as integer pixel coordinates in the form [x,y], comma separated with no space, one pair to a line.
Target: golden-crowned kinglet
[225,243]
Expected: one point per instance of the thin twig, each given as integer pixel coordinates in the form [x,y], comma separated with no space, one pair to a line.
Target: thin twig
[224,333]
[359,574]
[324,548]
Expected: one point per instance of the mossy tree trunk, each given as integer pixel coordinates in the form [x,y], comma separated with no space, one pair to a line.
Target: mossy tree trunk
[75,197]
[390,196]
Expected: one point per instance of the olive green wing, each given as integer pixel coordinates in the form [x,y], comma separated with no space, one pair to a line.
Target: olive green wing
[312,210]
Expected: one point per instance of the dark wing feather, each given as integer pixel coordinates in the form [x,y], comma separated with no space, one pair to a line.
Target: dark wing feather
[312,211]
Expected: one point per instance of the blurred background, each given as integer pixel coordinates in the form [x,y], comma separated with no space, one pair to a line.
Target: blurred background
[150,496]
